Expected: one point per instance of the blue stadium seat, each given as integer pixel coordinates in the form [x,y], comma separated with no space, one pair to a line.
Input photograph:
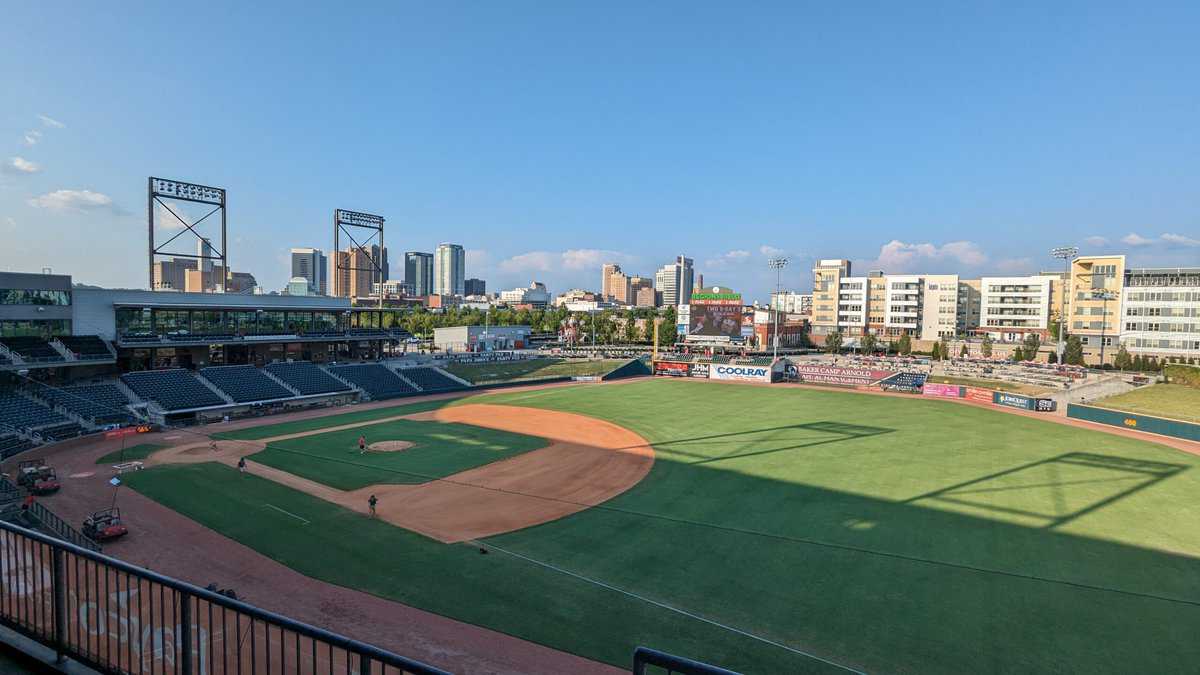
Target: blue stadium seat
[378,381]
[306,378]
[172,389]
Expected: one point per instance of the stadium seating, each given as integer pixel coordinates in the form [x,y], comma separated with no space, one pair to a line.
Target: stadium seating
[86,347]
[11,444]
[22,414]
[431,379]
[376,380]
[4,360]
[97,403]
[907,381]
[173,389]
[306,378]
[60,432]
[32,349]
[244,384]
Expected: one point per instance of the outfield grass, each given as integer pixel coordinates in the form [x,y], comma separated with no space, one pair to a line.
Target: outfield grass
[1000,385]
[132,453]
[503,371]
[440,450]
[892,534]
[1175,401]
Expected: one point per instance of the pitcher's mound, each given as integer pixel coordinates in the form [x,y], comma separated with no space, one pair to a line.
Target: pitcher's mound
[389,446]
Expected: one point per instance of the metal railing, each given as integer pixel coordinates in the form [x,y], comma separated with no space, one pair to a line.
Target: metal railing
[648,661]
[120,618]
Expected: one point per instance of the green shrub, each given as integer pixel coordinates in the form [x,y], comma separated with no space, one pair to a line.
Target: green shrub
[1181,374]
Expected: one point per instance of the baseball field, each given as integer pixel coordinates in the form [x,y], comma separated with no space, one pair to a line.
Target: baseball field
[765,529]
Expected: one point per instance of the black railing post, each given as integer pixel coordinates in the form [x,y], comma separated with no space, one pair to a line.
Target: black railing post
[60,604]
[364,664]
[185,627]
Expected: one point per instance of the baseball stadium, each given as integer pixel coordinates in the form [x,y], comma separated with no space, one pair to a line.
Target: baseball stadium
[399,513]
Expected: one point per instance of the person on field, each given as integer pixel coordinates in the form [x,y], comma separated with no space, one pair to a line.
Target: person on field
[362,445]
[242,464]
[371,503]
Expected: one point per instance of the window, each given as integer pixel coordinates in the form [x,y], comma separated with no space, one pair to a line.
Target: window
[35,328]
[21,296]
[133,320]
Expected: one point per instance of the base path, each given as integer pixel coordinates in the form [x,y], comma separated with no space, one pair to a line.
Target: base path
[587,462]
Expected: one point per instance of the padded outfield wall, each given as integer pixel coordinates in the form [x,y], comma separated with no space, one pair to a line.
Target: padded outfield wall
[1128,420]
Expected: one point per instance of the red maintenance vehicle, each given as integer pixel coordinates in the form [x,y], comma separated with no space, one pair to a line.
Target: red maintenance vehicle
[104,525]
[37,477]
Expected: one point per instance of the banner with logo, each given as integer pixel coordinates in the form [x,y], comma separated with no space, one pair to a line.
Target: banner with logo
[853,377]
[1012,400]
[1046,405]
[978,395]
[699,370]
[943,390]
[723,371]
[672,368]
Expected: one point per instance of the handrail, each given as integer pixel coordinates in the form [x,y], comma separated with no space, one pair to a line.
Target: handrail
[644,656]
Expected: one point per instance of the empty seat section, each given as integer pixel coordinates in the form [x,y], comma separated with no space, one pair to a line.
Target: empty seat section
[59,432]
[306,378]
[97,403]
[173,389]
[431,379]
[32,349]
[11,444]
[244,384]
[85,346]
[374,379]
[18,412]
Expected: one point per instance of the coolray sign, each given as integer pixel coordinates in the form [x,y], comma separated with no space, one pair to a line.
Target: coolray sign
[721,371]
[833,375]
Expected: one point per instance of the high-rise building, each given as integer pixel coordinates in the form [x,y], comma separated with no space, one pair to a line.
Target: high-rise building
[607,270]
[380,256]
[616,287]
[418,272]
[474,287]
[939,306]
[675,281]
[313,265]
[351,273]
[449,270]
[1161,312]
[827,278]
[1012,307]
[1095,309]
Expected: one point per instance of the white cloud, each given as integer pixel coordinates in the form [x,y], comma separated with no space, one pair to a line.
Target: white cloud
[477,258]
[728,259]
[51,122]
[73,200]
[575,259]
[21,165]
[770,251]
[164,219]
[898,256]
[1015,266]
[1096,241]
[1135,239]
[534,261]
[1180,239]
[32,137]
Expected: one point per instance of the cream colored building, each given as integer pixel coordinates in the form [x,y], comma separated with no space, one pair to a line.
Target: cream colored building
[939,306]
[1095,311]
[827,278]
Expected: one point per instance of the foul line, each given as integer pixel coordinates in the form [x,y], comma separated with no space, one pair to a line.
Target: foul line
[288,513]
[667,607]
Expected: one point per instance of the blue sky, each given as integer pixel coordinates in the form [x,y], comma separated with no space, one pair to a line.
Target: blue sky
[550,137]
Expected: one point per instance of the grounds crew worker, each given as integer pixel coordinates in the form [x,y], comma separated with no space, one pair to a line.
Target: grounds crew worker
[362,445]
[372,502]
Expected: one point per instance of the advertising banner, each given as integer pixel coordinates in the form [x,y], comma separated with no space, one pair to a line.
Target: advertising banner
[715,321]
[699,370]
[721,371]
[1045,405]
[852,377]
[943,390]
[979,395]
[672,368]
[1012,400]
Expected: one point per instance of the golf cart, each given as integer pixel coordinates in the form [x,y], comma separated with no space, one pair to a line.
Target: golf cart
[36,477]
[104,525]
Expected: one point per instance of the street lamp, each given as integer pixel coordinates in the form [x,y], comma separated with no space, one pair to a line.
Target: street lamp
[1067,255]
[776,264]
[1105,296]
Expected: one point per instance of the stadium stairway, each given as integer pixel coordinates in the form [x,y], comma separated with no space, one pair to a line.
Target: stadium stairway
[215,389]
[353,387]
[276,379]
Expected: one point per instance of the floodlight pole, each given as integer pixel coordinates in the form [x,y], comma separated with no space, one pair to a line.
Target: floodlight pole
[776,264]
[1067,255]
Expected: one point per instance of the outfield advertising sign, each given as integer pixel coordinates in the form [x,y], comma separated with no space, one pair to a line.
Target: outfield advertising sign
[1012,400]
[722,371]
[672,368]
[852,377]
[699,370]
[942,390]
[977,395]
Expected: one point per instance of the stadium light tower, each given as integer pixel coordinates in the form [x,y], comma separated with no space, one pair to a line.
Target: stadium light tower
[1067,255]
[776,264]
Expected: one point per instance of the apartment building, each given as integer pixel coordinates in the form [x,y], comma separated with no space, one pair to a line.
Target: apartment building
[1012,307]
[939,306]
[1160,310]
[970,305]
[852,306]
[1095,310]
[827,278]
[790,302]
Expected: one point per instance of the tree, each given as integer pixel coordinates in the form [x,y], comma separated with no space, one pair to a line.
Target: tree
[1123,361]
[904,345]
[1052,358]
[964,352]
[833,342]
[648,336]
[631,329]
[1030,345]
[1073,354]
[985,347]
[1018,354]
[944,349]
[936,353]
[869,342]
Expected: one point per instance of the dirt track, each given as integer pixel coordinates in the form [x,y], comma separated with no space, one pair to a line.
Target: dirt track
[588,462]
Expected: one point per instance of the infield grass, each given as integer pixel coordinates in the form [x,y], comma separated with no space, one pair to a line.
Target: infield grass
[887,533]
[132,453]
[503,371]
[1173,401]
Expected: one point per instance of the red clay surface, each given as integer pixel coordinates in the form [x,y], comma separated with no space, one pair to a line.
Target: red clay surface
[167,542]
